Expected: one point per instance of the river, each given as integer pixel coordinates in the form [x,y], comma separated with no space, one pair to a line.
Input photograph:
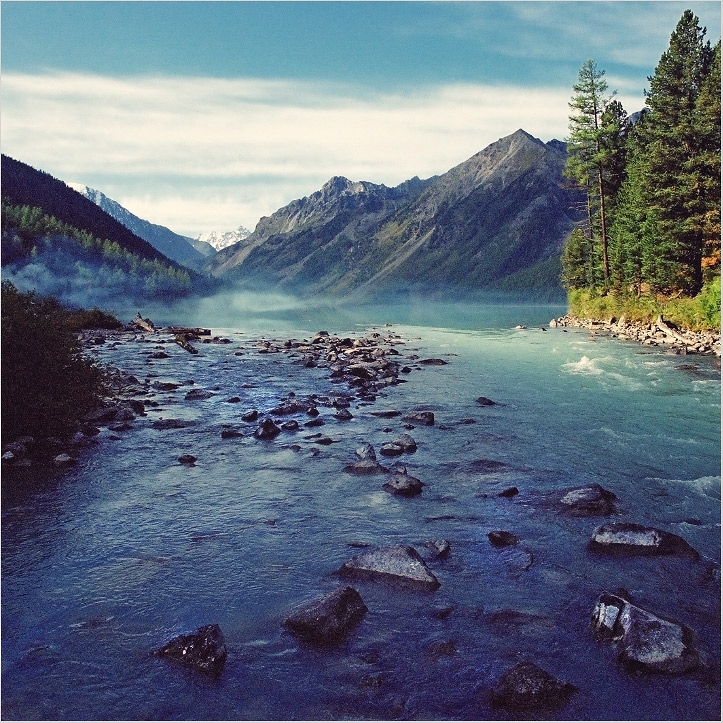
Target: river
[106,561]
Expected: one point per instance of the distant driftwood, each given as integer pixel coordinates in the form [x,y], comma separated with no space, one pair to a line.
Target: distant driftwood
[145,324]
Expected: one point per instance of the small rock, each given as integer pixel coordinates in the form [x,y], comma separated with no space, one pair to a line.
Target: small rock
[365,466]
[403,484]
[343,415]
[422,417]
[204,649]
[389,449]
[230,434]
[406,442]
[291,426]
[251,416]
[590,500]
[187,459]
[329,618]
[433,362]
[485,402]
[366,451]
[528,687]
[509,492]
[233,400]
[64,460]
[170,424]
[441,548]
[267,430]
[501,538]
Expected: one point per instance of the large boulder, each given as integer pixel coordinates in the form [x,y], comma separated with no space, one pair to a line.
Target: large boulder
[644,640]
[204,649]
[527,687]
[629,538]
[327,619]
[398,563]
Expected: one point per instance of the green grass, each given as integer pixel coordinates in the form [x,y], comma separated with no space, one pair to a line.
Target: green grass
[697,314]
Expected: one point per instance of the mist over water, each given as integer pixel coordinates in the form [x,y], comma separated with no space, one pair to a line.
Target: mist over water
[103,563]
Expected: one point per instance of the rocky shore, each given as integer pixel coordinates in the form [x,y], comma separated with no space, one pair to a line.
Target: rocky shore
[659,333]
[644,640]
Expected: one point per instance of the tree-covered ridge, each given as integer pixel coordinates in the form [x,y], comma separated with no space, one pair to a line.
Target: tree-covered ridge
[23,185]
[652,184]
[28,233]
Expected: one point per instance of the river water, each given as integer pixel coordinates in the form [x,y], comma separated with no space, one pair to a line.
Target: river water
[107,561]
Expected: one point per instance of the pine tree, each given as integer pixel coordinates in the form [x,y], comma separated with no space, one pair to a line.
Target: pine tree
[673,146]
[592,143]
[708,126]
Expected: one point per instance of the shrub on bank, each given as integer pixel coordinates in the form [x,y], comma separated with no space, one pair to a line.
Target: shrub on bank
[47,384]
[699,313]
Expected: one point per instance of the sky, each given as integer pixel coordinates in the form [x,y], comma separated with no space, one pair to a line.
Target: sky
[204,116]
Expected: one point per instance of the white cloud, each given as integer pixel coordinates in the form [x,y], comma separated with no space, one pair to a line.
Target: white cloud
[197,154]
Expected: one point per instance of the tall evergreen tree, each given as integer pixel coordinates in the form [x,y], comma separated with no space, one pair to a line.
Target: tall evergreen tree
[673,146]
[708,125]
[588,150]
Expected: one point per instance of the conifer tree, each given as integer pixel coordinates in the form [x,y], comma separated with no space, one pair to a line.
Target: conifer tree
[672,142]
[590,148]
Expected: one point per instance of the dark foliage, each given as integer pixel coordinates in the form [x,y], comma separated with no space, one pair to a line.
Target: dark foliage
[47,384]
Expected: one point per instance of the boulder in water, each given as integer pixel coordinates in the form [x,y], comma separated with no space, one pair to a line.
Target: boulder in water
[267,430]
[329,618]
[421,417]
[629,538]
[586,501]
[403,484]
[397,563]
[204,649]
[644,640]
[527,687]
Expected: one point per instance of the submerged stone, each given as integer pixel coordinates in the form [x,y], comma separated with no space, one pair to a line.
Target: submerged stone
[644,641]
[502,538]
[203,649]
[394,563]
[328,619]
[528,687]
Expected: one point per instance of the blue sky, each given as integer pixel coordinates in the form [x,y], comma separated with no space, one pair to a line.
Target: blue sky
[207,115]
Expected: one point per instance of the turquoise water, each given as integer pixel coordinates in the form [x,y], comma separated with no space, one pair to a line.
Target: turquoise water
[105,562]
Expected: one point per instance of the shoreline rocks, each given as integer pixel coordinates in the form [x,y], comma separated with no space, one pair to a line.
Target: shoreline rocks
[659,333]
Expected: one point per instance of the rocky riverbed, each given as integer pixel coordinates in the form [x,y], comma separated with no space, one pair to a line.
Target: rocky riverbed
[491,589]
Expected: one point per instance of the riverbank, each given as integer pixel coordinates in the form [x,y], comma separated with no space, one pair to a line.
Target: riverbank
[658,333]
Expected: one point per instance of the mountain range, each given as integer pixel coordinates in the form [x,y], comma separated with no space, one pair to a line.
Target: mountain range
[496,222]
[222,239]
[183,249]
